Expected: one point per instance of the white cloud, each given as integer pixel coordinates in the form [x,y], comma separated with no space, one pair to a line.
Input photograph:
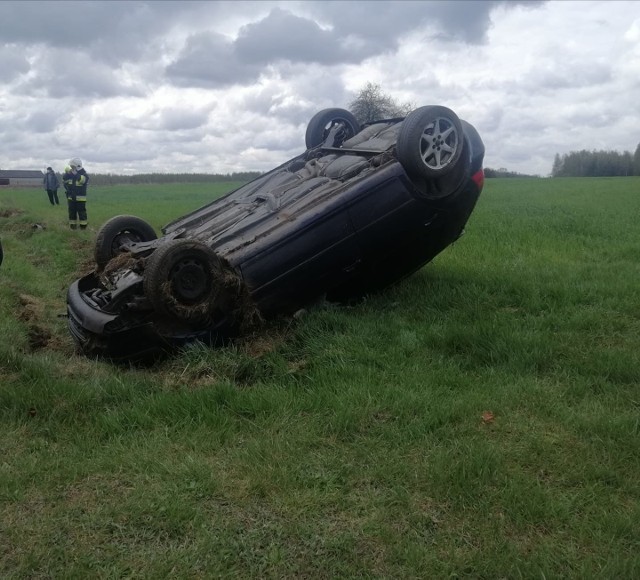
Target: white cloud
[230,86]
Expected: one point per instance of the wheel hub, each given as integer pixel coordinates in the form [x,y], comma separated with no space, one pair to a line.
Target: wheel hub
[439,144]
[189,281]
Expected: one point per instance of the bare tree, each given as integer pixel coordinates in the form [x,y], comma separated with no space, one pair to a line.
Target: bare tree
[372,104]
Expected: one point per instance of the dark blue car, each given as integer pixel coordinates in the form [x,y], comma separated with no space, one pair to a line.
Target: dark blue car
[360,209]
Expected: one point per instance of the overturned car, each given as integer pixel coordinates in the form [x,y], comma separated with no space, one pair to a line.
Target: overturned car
[360,209]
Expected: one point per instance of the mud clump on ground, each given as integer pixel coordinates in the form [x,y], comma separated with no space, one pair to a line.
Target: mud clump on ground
[31,311]
[8,212]
[39,337]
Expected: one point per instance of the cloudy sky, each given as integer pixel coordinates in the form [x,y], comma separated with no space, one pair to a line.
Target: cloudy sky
[218,87]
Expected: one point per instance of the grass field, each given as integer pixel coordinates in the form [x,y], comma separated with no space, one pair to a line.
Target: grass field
[480,419]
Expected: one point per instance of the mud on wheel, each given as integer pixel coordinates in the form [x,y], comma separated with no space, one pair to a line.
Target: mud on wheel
[182,280]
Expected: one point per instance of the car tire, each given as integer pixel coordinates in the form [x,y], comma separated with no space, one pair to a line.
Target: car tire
[181,280]
[118,232]
[1,253]
[430,142]
[320,124]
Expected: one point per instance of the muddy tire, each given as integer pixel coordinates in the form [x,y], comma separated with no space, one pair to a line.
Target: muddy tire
[322,122]
[117,233]
[182,281]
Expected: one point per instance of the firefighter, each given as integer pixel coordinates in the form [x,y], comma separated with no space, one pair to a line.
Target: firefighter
[75,181]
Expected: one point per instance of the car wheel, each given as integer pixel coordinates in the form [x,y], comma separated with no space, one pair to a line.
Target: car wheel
[117,233]
[181,280]
[322,122]
[1,253]
[430,142]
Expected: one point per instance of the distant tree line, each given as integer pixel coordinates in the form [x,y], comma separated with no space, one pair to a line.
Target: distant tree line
[596,164]
[143,178]
[491,173]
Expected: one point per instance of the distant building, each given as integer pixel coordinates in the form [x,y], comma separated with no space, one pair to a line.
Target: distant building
[20,177]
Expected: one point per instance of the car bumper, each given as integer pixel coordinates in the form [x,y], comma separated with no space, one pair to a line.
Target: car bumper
[100,334]
[117,337]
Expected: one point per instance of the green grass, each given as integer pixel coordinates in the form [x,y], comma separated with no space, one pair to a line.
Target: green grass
[478,420]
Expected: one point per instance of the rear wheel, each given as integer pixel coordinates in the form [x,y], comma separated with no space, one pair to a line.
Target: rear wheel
[181,280]
[430,142]
[117,233]
[322,122]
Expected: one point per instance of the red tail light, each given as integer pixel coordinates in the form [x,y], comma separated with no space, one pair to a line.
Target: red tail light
[478,179]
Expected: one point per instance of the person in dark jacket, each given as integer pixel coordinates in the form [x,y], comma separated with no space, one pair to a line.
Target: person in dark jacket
[51,185]
[75,181]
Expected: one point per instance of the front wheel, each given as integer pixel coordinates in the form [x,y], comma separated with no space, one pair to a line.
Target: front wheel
[430,142]
[118,232]
[182,281]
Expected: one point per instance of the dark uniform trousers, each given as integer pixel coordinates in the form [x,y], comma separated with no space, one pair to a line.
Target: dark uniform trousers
[77,211]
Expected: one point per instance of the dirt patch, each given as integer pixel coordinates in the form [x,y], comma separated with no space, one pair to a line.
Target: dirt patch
[85,262]
[39,337]
[268,339]
[32,310]
[8,212]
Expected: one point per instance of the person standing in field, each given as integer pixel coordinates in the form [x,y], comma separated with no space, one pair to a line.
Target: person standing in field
[51,185]
[75,181]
